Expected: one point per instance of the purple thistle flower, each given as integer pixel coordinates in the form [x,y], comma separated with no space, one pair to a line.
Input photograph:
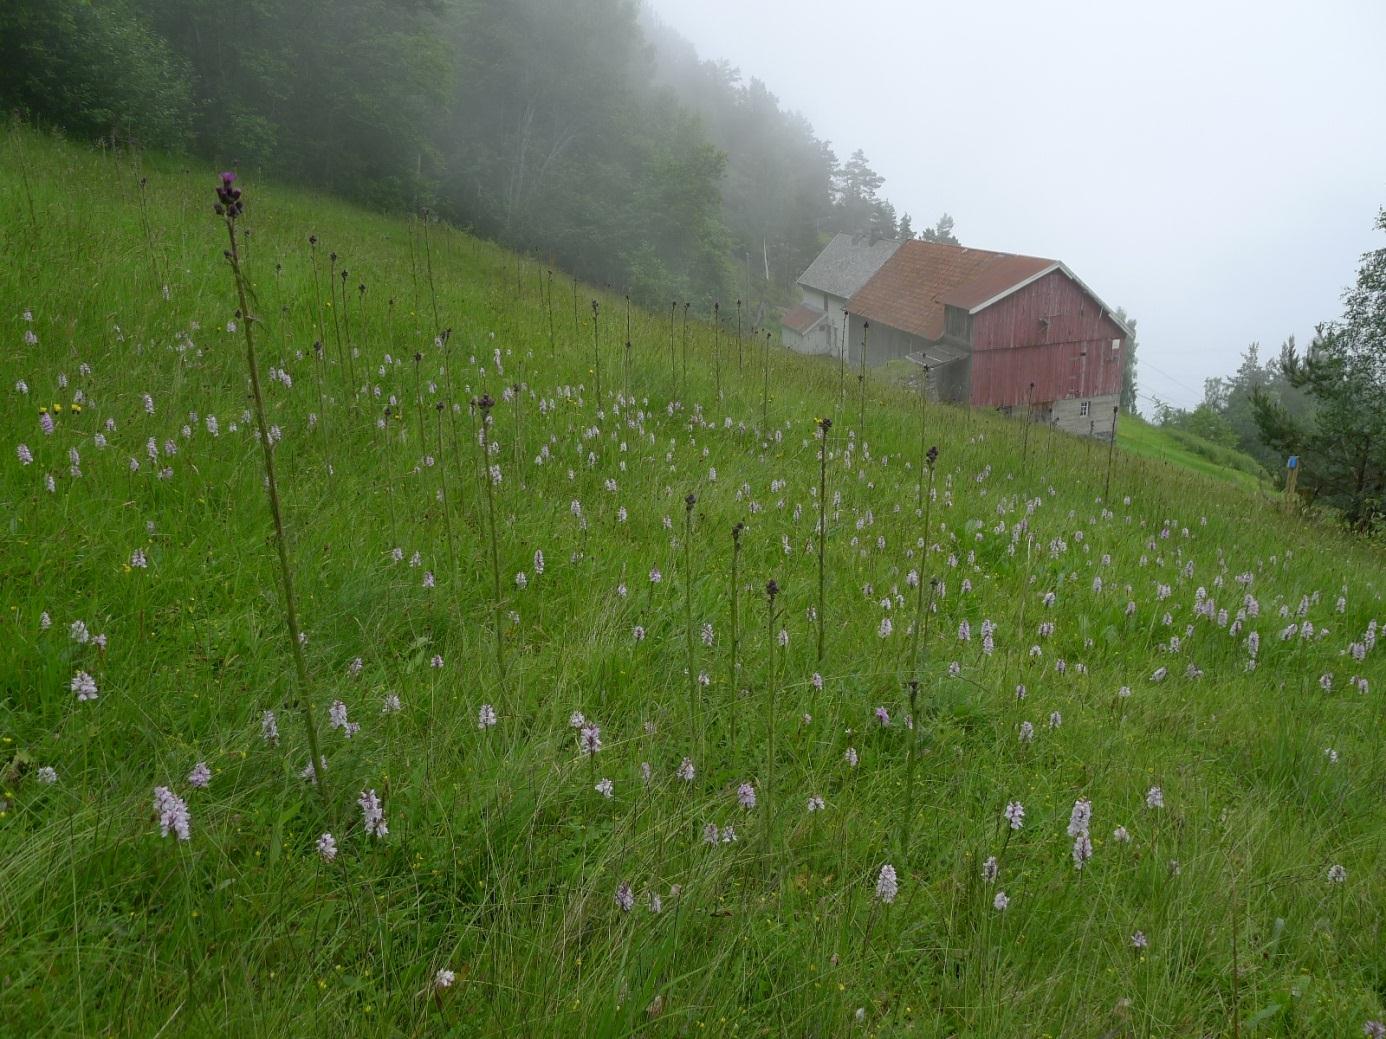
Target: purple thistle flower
[1082,850]
[327,847]
[590,739]
[746,796]
[887,884]
[84,686]
[372,814]
[200,776]
[1015,814]
[229,203]
[173,813]
[337,714]
[1080,818]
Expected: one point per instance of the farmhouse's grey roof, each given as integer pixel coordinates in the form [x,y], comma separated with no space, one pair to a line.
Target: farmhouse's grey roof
[847,263]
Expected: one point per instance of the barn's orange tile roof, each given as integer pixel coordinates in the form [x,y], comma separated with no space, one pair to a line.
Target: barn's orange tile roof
[801,318]
[911,289]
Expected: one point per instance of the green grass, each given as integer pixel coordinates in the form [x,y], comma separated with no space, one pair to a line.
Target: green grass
[502,861]
[1182,448]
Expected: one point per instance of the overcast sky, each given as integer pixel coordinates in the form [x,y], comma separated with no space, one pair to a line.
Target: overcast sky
[1215,167]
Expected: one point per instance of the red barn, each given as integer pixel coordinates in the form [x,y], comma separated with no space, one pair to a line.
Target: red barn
[996,330]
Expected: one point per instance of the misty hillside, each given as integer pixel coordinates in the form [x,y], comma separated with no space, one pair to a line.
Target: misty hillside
[582,133]
[638,678]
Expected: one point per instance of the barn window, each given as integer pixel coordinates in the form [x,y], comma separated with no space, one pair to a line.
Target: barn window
[1085,407]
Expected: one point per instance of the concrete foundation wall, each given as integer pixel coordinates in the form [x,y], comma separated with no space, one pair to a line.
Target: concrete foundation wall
[1068,415]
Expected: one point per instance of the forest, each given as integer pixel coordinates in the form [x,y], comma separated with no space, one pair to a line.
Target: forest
[584,134]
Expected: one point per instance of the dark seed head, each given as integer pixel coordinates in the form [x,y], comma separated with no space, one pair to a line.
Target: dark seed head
[932,456]
[736,532]
[485,402]
[772,589]
[229,202]
[689,502]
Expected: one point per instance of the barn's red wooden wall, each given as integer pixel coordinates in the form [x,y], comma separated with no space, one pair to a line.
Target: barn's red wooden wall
[1072,357]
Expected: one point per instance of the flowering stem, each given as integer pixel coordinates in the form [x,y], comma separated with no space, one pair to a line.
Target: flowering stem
[919,613]
[717,345]
[683,392]
[823,426]
[485,404]
[281,544]
[428,264]
[735,630]
[350,350]
[443,488]
[597,350]
[771,590]
[418,404]
[688,615]
[861,384]
[765,391]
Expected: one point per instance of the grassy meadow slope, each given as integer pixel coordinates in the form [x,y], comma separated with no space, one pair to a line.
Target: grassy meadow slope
[1076,649]
[1180,447]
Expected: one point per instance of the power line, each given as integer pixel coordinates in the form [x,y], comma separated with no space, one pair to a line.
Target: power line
[1142,363]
